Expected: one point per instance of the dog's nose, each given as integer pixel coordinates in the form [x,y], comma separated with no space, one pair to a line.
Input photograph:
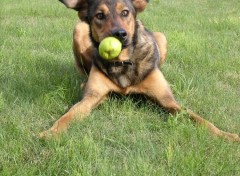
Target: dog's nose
[120,34]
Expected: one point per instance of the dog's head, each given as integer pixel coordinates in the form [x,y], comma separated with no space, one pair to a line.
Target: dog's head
[109,17]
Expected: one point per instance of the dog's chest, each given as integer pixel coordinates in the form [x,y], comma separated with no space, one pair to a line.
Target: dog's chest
[122,75]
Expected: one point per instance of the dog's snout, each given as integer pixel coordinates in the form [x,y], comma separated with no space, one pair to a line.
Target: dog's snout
[121,34]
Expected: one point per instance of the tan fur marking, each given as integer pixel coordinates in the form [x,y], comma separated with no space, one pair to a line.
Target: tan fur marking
[120,7]
[124,55]
[131,25]
[103,8]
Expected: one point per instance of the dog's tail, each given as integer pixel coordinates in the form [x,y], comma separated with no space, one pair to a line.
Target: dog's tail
[212,128]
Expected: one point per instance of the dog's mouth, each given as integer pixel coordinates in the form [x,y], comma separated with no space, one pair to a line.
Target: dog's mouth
[121,35]
[125,44]
[111,56]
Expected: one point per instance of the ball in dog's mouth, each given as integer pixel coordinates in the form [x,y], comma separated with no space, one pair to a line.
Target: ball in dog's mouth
[110,48]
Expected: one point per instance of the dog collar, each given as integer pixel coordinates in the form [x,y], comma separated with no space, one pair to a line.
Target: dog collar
[120,63]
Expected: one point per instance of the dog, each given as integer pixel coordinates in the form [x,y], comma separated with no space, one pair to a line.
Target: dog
[135,71]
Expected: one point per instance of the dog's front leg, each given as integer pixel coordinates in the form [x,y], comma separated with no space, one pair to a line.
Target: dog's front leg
[96,90]
[158,89]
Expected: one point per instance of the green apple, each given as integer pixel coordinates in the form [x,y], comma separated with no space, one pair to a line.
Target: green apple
[110,48]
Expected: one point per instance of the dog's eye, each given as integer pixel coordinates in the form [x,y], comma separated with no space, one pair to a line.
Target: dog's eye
[100,15]
[125,13]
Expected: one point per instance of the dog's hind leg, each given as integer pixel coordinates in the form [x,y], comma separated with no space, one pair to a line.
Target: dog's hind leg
[96,90]
[162,45]
[82,47]
[156,87]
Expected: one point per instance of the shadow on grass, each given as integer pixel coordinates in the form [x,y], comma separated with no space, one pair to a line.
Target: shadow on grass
[141,101]
[34,78]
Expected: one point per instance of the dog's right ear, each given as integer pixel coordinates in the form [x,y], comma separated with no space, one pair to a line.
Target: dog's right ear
[140,5]
[78,5]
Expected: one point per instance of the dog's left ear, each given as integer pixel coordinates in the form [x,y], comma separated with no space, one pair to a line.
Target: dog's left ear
[140,5]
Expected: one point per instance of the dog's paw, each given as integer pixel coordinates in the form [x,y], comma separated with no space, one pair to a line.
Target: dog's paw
[231,137]
[44,134]
[235,138]
[54,131]
[48,134]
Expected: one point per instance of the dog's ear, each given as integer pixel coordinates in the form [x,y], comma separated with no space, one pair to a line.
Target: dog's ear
[140,5]
[74,4]
[78,5]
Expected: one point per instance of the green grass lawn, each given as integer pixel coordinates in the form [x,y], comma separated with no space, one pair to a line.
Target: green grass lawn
[123,136]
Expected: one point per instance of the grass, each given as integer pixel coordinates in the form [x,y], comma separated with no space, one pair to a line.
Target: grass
[123,136]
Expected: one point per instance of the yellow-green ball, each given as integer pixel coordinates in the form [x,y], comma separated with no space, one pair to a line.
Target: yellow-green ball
[110,48]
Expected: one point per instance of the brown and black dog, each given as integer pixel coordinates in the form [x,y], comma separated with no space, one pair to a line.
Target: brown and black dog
[135,70]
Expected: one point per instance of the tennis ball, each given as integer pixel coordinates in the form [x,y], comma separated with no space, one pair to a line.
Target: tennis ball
[109,48]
